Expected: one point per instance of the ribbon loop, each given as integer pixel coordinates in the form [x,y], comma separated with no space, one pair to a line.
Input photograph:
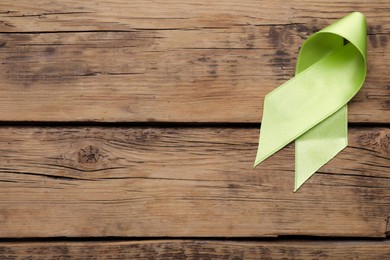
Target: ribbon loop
[311,107]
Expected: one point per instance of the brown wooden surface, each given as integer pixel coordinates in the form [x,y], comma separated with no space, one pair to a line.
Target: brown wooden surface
[193,249]
[159,189]
[176,61]
[93,181]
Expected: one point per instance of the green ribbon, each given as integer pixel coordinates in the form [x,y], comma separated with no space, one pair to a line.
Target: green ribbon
[311,107]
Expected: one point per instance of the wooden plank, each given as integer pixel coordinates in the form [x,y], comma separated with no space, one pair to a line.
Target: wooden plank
[199,249]
[93,181]
[73,15]
[170,61]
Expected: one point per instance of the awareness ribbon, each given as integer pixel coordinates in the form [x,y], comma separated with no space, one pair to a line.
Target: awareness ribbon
[311,107]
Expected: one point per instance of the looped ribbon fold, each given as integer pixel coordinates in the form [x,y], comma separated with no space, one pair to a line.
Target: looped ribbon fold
[311,107]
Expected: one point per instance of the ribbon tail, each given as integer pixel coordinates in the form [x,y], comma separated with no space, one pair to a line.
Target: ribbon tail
[319,145]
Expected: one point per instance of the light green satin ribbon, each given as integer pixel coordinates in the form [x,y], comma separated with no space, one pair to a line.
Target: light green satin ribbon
[311,107]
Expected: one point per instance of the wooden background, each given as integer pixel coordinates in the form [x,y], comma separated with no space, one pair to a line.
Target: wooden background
[129,129]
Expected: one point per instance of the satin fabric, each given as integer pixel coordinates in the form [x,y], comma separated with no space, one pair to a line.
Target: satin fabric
[311,107]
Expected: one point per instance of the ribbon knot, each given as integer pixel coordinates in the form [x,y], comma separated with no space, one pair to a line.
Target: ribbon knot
[311,107]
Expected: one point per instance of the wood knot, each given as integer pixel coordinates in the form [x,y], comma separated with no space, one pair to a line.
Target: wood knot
[89,155]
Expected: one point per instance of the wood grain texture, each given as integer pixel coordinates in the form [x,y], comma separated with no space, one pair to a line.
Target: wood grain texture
[195,249]
[169,61]
[91,181]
